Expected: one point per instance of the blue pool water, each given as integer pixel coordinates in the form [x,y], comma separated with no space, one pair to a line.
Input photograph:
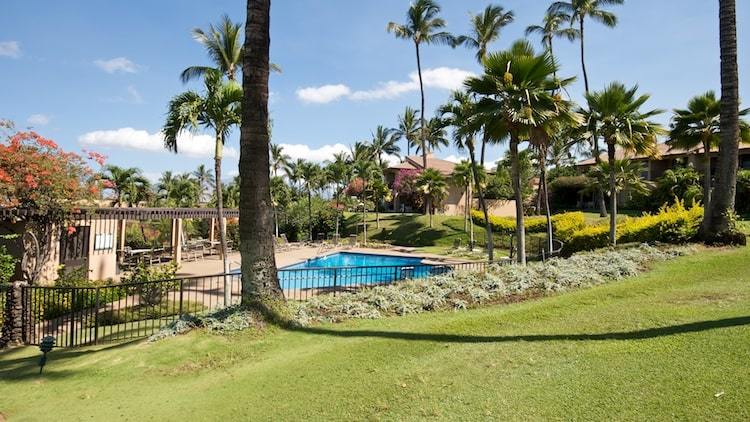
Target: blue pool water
[343,269]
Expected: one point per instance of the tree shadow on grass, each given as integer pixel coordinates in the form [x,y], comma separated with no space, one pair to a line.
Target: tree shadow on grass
[649,333]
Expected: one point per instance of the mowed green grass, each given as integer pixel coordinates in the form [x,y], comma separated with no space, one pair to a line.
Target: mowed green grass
[673,343]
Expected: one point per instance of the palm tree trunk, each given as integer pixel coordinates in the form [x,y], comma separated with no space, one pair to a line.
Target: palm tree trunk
[542,192]
[259,278]
[220,215]
[422,135]
[707,174]
[469,202]
[717,222]
[429,209]
[466,208]
[483,205]
[518,194]
[309,213]
[485,140]
[612,194]
[583,60]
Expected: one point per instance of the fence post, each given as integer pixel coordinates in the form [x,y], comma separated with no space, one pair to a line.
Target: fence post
[13,319]
[395,274]
[96,318]
[181,281]
[72,317]
[335,279]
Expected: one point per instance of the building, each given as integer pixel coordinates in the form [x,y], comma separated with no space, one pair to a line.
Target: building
[455,201]
[670,158]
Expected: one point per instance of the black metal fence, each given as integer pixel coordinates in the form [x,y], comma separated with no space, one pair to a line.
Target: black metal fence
[78,316]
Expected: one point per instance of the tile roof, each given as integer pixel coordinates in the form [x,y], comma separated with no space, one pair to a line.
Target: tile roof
[415,162]
[662,151]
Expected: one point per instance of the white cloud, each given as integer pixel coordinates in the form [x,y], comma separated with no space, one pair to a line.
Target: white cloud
[454,158]
[302,151]
[38,120]
[441,78]
[10,49]
[135,96]
[117,64]
[488,165]
[132,97]
[128,138]
[323,94]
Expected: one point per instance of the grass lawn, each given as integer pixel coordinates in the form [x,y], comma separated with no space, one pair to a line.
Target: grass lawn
[673,343]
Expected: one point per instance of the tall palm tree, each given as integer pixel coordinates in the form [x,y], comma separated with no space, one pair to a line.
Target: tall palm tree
[383,142]
[279,160]
[339,173]
[218,109]
[717,223]
[366,170]
[434,189]
[516,96]
[407,129]
[360,151]
[205,181]
[485,28]
[623,125]
[579,11]
[423,26]
[436,137]
[223,43]
[259,278]
[127,184]
[311,174]
[461,114]
[463,175]
[551,28]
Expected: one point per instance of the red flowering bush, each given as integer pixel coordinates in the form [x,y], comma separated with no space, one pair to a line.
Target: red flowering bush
[355,187]
[405,188]
[36,172]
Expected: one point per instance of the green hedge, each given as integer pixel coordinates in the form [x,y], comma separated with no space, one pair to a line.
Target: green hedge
[563,225]
[672,224]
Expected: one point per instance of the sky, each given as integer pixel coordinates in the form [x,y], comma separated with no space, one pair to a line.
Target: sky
[98,75]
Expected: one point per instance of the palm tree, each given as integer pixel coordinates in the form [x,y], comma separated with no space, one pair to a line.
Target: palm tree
[380,192]
[436,137]
[460,113]
[360,151]
[339,173]
[383,142]
[516,97]
[127,184]
[224,46]
[205,181]
[311,174]
[423,26]
[366,170]
[434,189]
[578,11]
[463,175]
[279,160]
[623,125]
[551,28]
[218,109]
[485,28]
[184,192]
[628,176]
[407,128]
[259,277]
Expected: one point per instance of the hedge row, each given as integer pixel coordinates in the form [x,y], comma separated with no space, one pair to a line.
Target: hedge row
[563,225]
[672,224]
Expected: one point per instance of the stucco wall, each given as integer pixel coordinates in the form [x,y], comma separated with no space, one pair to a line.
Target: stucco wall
[499,207]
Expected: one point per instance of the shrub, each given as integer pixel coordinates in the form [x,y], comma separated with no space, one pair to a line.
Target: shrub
[742,199]
[672,224]
[7,265]
[151,282]
[565,222]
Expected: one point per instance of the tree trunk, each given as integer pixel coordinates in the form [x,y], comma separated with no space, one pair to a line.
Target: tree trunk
[518,194]
[707,174]
[309,214]
[469,201]
[483,205]
[545,194]
[583,60]
[717,222]
[466,208]
[429,209]
[612,194]
[259,279]
[422,134]
[220,215]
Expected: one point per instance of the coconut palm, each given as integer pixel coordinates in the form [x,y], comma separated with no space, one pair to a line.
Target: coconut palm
[366,170]
[223,43]
[699,125]
[360,151]
[279,160]
[551,28]
[383,142]
[259,277]
[312,176]
[460,113]
[579,11]
[217,109]
[127,184]
[628,176]
[436,137]
[423,26]
[624,125]
[339,173]
[205,181]
[485,28]
[380,192]
[407,129]
[434,189]
[515,98]
[463,176]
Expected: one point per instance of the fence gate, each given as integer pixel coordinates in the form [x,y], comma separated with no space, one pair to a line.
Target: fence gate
[74,248]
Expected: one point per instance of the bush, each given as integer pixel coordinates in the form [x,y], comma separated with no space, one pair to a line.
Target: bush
[323,219]
[151,282]
[565,222]
[7,265]
[672,224]
[742,200]
[565,190]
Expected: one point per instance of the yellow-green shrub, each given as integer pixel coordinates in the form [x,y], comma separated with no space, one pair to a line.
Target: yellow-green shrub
[564,223]
[672,224]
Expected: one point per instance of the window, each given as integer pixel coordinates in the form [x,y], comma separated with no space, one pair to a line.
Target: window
[103,241]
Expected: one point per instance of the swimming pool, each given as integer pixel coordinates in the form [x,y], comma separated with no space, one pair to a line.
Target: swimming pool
[345,269]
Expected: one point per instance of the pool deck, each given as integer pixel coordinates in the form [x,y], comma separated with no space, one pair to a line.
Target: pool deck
[213,265]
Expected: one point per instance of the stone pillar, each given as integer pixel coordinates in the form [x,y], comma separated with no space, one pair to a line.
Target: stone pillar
[212,230]
[12,334]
